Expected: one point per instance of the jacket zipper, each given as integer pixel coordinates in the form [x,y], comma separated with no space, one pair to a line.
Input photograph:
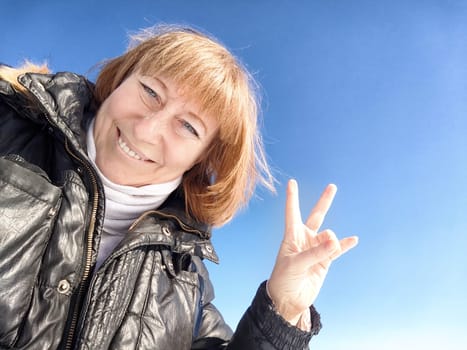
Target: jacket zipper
[92,222]
[87,267]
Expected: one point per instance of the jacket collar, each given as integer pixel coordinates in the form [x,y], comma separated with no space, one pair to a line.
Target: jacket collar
[174,208]
[175,205]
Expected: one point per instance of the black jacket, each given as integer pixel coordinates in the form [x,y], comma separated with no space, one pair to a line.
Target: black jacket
[152,292]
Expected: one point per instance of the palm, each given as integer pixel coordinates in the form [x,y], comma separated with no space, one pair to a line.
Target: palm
[305,255]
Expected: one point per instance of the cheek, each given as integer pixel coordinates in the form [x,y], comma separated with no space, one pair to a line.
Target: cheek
[183,155]
[114,108]
[120,103]
[198,154]
[104,115]
[100,123]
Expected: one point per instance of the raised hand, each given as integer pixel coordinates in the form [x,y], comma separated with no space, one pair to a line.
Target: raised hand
[305,255]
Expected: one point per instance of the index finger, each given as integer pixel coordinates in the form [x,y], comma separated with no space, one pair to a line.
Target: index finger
[292,208]
[318,213]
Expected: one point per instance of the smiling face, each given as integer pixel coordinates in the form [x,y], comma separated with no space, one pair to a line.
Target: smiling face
[148,132]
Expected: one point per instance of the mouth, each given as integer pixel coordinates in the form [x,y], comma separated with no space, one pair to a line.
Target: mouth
[130,151]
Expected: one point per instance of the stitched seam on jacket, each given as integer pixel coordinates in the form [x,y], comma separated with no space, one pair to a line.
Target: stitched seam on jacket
[146,299]
[108,303]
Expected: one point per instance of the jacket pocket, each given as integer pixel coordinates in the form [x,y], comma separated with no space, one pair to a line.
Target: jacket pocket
[28,206]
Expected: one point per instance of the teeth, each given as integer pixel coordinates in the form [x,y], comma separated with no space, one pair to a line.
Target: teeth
[124,147]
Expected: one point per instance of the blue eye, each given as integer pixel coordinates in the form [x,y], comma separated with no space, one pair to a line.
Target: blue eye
[189,127]
[150,92]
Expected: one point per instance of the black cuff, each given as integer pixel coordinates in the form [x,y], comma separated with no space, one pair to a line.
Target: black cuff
[276,329]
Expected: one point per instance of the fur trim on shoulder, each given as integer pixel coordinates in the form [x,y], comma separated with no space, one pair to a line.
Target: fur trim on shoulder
[11,74]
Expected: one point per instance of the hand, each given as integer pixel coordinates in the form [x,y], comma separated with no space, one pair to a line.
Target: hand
[304,256]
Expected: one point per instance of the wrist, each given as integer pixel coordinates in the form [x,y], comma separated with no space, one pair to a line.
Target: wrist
[304,323]
[301,320]
[274,327]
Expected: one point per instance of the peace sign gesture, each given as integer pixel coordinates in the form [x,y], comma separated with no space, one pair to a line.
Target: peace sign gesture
[304,256]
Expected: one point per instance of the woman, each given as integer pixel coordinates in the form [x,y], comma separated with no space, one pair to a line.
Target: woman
[109,193]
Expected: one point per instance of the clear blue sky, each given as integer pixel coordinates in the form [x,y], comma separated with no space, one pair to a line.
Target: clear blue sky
[370,95]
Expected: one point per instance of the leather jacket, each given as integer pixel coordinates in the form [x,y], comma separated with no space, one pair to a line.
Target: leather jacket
[152,292]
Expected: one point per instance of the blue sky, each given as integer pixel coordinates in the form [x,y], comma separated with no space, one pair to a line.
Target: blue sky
[370,95]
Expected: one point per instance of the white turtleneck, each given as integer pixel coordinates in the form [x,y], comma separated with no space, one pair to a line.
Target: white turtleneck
[124,204]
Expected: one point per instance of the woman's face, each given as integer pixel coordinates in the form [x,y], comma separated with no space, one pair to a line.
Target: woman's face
[148,132]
